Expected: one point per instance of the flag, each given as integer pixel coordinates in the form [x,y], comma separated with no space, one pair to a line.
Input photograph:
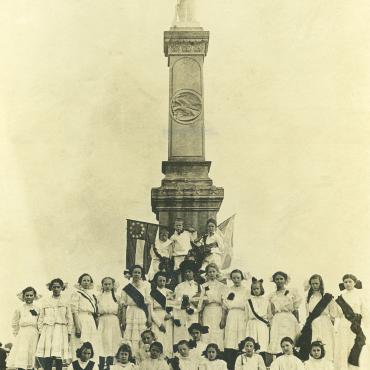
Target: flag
[140,238]
[226,230]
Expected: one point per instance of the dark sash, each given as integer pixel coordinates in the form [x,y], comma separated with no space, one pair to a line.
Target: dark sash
[355,320]
[137,297]
[94,303]
[158,297]
[255,313]
[89,366]
[304,341]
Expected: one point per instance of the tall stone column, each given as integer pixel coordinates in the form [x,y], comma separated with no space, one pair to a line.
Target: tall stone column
[186,190]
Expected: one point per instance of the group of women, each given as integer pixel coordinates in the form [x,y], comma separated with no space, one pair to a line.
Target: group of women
[190,322]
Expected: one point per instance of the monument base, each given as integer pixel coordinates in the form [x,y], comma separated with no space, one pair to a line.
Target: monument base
[186,192]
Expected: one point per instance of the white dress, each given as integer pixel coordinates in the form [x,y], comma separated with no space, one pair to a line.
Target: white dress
[135,317]
[211,314]
[257,329]
[181,246]
[322,327]
[158,315]
[287,362]
[189,288]
[85,308]
[212,365]
[120,366]
[109,329]
[320,364]
[216,251]
[154,364]
[344,337]
[24,324]
[55,323]
[197,353]
[284,323]
[164,249]
[236,326]
[243,362]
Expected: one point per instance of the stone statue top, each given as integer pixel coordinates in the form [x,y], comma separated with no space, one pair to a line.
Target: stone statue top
[185,14]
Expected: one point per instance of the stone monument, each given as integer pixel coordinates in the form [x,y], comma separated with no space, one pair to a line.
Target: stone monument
[186,190]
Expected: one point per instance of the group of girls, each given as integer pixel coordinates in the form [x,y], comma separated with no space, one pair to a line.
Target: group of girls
[146,320]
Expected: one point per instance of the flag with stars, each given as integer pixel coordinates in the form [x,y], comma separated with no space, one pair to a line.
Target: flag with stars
[140,237]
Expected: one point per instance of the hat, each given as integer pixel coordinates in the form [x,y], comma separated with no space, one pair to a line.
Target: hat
[188,265]
[197,326]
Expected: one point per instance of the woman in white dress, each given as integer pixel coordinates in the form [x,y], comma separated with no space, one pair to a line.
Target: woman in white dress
[288,361]
[318,359]
[211,307]
[212,359]
[84,305]
[109,326]
[213,244]
[235,316]
[321,312]
[249,359]
[55,327]
[283,309]
[124,359]
[161,313]
[258,325]
[349,345]
[24,324]
[135,301]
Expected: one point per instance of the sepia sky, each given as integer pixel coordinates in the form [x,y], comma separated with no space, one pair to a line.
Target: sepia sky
[83,131]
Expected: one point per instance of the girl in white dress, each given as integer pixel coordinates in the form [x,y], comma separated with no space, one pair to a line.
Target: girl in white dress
[213,243]
[84,305]
[317,359]
[24,324]
[321,312]
[155,361]
[211,307]
[147,338]
[288,361]
[124,359]
[283,308]
[83,354]
[55,327]
[235,316]
[109,326]
[135,301]
[187,296]
[212,359]
[183,361]
[197,345]
[249,359]
[161,313]
[349,347]
[161,252]
[258,325]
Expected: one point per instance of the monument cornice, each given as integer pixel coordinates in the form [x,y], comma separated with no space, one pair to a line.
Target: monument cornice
[186,42]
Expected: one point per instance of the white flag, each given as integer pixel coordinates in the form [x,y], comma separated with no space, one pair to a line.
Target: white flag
[226,230]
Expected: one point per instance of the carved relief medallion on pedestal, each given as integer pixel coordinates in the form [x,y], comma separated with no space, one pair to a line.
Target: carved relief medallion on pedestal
[186,106]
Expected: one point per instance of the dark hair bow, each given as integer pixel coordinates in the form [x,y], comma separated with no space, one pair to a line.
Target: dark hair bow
[177,322]
[185,303]
[33,312]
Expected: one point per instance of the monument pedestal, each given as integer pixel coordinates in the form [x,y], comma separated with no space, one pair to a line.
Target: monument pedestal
[186,191]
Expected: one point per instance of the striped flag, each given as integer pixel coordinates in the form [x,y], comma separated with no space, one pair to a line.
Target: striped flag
[140,237]
[226,230]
